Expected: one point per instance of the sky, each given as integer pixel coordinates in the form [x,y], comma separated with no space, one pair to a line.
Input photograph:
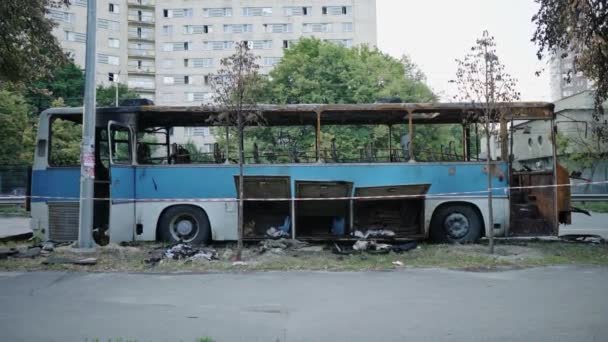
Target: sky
[436,32]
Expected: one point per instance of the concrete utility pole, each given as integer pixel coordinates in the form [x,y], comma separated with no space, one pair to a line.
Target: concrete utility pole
[87,146]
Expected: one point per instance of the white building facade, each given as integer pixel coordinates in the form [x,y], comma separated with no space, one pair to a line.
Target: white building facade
[164,49]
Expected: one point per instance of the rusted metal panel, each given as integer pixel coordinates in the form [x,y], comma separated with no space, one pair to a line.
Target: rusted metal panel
[533,209]
[563,195]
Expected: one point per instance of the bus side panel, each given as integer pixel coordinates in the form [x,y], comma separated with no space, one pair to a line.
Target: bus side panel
[53,185]
[156,185]
[500,206]
[122,205]
[222,218]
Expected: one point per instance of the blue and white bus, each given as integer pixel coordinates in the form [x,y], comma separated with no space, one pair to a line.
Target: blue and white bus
[150,185]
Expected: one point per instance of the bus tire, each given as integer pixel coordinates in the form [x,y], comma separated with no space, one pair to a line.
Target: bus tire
[458,223]
[184,223]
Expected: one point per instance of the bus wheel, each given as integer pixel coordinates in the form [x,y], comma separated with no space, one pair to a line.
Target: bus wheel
[184,223]
[456,223]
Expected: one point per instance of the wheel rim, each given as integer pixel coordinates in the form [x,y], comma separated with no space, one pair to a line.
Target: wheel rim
[456,225]
[184,228]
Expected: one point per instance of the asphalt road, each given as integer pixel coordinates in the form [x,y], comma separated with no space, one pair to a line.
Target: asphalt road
[545,304]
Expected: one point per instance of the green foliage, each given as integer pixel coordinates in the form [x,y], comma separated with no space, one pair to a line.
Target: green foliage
[65,143]
[106,96]
[13,124]
[577,28]
[313,71]
[66,82]
[28,50]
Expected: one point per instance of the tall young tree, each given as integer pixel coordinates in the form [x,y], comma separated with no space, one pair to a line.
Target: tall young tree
[483,81]
[28,49]
[236,91]
[578,28]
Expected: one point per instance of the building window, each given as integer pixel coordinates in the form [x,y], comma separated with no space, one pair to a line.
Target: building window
[113,43]
[114,8]
[238,28]
[257,11]
[186,46]
[202,62]
[218,45]
[108,59]
[322,27]
[259,44]
[347,27]
[167,30]
[186,62]
[197,29]
[186,79]
[71,36]
[178,13]
[297,11]
[337,10]
[278,28]
[206,79]
[344,42]
[217,12]
[168,80]
[271,61]
[106,24]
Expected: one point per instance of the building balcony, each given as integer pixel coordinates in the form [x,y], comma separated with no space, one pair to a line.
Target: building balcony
[141,71]
[141,20]
[142,53]
[141,3]
[149,37]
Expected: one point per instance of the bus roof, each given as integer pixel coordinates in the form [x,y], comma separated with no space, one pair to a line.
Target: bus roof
[332,114]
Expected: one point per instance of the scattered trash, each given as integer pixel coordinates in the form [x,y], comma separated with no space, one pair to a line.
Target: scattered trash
[239,263]
[311,249]
[361,245]
[277,251]
[276,233]
[249,229]
[48,246]
[227,254]
[62,260]
[31,252]
[374,233]
[405,247]
[185,251]
[398,263]
[5,253]
[337,226]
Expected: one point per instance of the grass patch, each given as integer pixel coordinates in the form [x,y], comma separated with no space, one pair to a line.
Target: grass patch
[509,254]
[597,207]
[12,210]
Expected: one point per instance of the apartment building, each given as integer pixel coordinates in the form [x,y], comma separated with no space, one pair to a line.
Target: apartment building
[564,80]
[165,49]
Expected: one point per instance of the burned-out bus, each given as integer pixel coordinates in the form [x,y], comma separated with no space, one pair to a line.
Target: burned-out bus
[315,172]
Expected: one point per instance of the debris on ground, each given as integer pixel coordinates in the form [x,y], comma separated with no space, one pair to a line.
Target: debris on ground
[398,263]
[276,233]
[31,252]
[311,249]
[267,245]
[183,251]
[6,252]
[239,263]
[63,260]
[374,233]
[405,247]
[48,246]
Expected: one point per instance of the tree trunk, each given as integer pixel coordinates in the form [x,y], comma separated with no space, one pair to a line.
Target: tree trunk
[490,207]
[241,187]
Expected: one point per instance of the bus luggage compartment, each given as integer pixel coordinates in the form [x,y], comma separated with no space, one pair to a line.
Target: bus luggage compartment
[259,216]
[322,218]
[403,214]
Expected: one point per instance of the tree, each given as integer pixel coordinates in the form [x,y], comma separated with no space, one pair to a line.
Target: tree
[236,91]
[578,28]
[13,123]
[28,49]
[482,80]
[106,96]
[65,81]
[314,71]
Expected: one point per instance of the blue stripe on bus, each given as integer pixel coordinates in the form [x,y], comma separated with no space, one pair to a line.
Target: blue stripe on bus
[160,182]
